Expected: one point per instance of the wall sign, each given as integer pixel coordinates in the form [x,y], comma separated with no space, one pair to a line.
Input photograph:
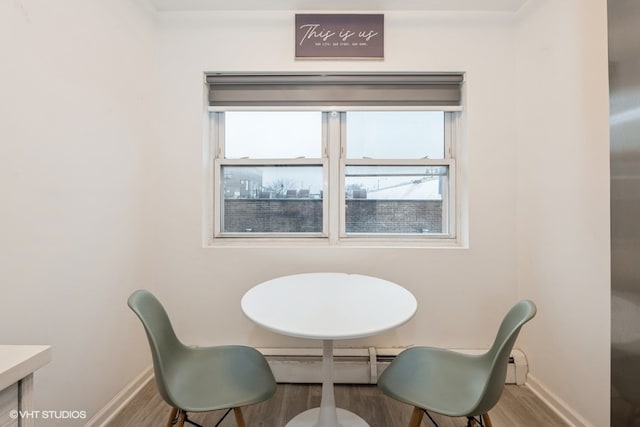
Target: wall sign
[357,36]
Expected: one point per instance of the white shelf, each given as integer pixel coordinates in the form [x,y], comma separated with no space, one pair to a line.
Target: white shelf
[19,361]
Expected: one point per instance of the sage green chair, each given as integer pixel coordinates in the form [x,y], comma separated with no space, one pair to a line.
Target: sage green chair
[452,383]
[200,379]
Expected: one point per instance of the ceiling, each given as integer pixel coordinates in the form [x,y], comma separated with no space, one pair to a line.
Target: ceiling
[340,5]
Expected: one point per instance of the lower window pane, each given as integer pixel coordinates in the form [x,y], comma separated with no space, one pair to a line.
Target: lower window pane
[271,199]
[396,199]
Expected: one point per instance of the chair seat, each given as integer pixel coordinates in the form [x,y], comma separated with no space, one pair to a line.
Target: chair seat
[437,380]
[212,378]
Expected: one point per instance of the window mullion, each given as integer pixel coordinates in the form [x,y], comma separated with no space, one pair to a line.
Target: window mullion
[271,162]
[398,162]
[336,179]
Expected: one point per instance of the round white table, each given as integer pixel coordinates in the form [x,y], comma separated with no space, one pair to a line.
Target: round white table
[328,307]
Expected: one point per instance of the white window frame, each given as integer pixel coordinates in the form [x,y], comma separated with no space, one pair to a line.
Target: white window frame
[333,161]
[449,208]
[219,161]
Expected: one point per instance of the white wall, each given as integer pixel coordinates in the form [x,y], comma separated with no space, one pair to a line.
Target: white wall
[520,210]
[74,121]
[101,186]
[563,201]
[211,281]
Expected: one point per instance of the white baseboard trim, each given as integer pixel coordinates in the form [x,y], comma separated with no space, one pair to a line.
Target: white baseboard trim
[103,416]
[559,406]
[360,365]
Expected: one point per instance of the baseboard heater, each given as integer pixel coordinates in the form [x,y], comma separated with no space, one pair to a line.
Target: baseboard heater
[357,365]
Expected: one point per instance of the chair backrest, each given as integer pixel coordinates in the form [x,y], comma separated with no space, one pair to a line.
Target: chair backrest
[497,358]
[166,348]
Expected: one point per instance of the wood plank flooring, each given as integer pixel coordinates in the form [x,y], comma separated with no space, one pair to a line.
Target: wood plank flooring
[518,407]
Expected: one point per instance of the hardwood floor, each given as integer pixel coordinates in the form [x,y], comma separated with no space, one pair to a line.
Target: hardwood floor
[518,407]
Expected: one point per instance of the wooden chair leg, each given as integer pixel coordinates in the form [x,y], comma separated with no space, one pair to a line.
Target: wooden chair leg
[182,416]
[239,419]
[487,420]
[172,416]
[416,417]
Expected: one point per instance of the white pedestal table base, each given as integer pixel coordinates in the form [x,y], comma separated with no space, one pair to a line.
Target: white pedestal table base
[310,419]
[327,415]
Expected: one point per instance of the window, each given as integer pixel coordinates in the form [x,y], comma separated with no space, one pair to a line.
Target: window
[396,173]
[282,164]
[271,174]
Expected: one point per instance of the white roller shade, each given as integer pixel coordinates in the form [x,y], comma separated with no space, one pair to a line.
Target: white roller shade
[335,89]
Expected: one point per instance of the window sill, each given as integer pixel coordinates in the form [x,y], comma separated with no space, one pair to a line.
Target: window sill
[356,243]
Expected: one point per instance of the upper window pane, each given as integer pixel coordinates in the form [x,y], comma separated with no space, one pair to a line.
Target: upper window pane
[395,134]
[272,134]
